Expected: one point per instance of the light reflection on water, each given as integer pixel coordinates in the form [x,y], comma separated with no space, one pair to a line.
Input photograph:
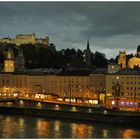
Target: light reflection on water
[33,127]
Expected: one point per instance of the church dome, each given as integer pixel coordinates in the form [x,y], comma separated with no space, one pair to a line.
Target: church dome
[134,61]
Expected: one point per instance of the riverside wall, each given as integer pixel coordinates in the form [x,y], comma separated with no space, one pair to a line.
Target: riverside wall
[94,115]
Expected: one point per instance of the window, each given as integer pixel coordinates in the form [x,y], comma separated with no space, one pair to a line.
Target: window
[113,93]
[122,93]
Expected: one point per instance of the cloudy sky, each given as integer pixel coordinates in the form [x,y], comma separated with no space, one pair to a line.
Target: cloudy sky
[110,26]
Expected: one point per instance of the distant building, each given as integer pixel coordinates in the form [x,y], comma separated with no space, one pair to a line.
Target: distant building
[122,59]
[113,68]
[87,55]
[135,61]
[20,61]
[132,62]
[22,39]
[9,63]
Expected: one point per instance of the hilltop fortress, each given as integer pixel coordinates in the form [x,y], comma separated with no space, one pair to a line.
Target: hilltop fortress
[26,39]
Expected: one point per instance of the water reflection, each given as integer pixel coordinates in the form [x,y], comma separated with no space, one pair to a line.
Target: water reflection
[90,131]
[57,129]
[129,133]
[79,130]
[105,133]
[42,128]
[33,127]
[21,126]
[7,129]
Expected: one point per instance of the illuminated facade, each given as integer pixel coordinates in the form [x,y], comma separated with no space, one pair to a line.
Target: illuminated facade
[98,86]
[61,85]
[108,89]
[128,86]
[26,39]
[132,62]
[122,59]
[9,63]
[135,61]
[14,83]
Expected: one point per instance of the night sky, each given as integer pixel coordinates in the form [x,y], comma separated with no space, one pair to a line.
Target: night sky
[110,26]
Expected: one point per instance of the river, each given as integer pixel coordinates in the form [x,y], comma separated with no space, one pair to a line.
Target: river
[35,127]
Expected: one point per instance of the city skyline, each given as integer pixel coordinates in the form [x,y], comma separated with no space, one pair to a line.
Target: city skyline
[110,26]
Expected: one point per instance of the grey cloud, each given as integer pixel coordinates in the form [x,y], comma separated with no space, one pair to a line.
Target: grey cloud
[108,24]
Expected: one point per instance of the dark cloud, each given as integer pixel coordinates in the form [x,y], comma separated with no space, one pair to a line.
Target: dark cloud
[109,25]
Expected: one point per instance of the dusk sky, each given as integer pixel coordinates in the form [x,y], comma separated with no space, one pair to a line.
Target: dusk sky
[110,26]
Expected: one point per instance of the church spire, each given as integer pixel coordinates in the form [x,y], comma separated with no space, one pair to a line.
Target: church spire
[88,46]
[87,57]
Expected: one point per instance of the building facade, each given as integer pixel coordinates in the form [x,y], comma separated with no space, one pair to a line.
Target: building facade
[113,68]
[122,59]
[22,39]
[123,90]
[113,90]
[9,63]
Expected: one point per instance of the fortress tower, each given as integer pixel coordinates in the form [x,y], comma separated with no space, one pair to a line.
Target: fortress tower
[9,64]
[122,59]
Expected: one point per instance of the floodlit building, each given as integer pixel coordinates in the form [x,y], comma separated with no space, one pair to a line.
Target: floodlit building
[22,39]
[122,59]
[97,85]
[123,89]
[9,63]
[132,62]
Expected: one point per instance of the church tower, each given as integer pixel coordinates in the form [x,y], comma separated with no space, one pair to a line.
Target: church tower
[20,61]
[122,59]
[87,57]
[9,64]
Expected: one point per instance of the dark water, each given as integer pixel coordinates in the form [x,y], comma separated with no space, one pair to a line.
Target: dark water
[34,127]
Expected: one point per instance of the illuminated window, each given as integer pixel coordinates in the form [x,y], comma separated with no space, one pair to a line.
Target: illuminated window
[112,67]
[117,77]
[113,102]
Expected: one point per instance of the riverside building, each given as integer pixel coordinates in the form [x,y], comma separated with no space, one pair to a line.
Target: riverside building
[124,89]
[40,85]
